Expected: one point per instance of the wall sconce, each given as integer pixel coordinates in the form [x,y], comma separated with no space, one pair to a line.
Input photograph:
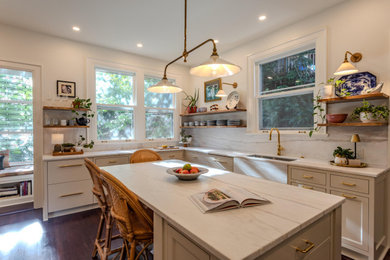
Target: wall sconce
[346,67]
[222,93]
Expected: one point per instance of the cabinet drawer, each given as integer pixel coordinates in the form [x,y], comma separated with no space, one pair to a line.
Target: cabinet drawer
[316,236]
[194,157]
[172,155]
[309,176]
[112,160]
[349,183]
[69,195]
[67,171]
[309,187]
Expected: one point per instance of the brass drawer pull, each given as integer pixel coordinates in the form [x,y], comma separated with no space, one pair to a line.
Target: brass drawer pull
[307,249]
[349,184]
[349,197]
[171,156]
[71,194]
[112,161]
[307,176]
[70,165]
[307,187]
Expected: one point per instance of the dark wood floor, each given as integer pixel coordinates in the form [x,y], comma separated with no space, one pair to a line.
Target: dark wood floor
[24,235]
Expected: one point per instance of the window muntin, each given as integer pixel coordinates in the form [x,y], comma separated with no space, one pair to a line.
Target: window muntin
[16,115]
[288,73]
[285,92]
[115,104]
[159,112]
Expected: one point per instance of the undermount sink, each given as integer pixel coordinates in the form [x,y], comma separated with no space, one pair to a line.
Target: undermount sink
[271,157]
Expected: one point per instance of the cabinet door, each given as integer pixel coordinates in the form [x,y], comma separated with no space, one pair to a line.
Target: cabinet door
[261,168]
[194,157]
[178,247]
[354,220]
[219,162]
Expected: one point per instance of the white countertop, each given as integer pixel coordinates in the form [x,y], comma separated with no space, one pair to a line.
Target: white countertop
[303,162]
[244,233]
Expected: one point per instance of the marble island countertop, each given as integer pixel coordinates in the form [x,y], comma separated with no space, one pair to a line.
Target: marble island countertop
[302,162]
[258,229]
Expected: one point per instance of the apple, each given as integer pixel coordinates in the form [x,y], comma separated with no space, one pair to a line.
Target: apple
[184,172]
[194,170]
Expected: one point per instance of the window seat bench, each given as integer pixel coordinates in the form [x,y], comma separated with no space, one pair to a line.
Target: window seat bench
[17,170]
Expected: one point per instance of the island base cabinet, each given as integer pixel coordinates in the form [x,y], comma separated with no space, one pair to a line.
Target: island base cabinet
[178,247]
[313,243]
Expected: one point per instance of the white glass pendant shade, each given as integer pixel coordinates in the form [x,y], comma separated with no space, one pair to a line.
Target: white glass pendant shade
[346,68]
[221,93]
[215,67]
[164,86]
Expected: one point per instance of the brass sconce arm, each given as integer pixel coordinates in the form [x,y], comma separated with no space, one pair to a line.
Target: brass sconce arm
[234,84]
[355,57]
[185,54]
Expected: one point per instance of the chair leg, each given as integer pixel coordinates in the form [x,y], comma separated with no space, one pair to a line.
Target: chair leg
[107,240]
[98,235]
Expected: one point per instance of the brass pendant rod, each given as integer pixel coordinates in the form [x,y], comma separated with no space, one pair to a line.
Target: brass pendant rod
[196,47]
[185,31]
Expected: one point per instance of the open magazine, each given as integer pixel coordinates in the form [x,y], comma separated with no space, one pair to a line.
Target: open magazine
[226,198]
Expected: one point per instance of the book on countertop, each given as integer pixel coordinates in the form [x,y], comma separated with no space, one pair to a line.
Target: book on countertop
[226,198]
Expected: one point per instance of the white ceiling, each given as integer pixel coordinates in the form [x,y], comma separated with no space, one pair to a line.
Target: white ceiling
[158,24]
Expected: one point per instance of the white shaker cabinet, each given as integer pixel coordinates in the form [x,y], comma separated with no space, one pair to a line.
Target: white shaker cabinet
[212,160]
[363,213]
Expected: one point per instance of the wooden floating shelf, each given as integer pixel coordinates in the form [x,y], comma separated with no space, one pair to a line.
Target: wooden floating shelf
[355,98]
[61,126]
[354,124]
[64,108]
[67,153]
[215,112]
[214,126]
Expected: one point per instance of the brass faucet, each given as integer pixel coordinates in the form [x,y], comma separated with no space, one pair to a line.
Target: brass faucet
[280,148]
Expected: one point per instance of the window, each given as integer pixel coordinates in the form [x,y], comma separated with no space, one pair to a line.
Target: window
[16,114]
[115,104]
[159,111]
[285,91]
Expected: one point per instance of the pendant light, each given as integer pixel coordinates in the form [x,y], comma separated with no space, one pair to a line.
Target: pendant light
[214,67]
[346,67]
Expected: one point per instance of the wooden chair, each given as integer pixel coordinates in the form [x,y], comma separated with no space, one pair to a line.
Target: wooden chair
[134,222]
[102,246]
[145,155]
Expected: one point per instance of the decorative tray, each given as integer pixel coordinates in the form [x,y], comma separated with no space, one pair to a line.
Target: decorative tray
[362,165]
[67,153]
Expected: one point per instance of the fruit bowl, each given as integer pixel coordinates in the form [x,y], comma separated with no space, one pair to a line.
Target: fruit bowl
[186,176]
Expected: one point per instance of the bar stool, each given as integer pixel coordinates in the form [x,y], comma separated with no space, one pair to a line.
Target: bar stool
[102,246]
[144,155]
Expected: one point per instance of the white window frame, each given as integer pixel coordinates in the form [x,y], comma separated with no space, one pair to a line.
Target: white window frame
[139,103]
[119,106]
[174,109]
[315,40]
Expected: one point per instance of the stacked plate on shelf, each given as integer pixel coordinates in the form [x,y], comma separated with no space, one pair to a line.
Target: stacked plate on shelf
[234,122]
[211,122]
[221,122]
[203,123]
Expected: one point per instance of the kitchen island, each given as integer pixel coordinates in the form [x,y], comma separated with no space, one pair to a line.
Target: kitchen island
[296,224]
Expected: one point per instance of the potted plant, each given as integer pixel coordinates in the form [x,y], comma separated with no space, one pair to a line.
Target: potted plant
[341,156]
[85,115]
[192,100]
[370,113]
[67,147]
[82,143]
[319,112]
[330,87]
[184,138]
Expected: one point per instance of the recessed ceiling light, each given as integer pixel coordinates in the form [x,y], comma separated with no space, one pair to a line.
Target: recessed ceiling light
[216,41]
[76,28]
[140,45]
[262,17]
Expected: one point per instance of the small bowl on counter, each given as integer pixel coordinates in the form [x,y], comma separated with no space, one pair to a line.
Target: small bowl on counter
[336,118]
[201,109]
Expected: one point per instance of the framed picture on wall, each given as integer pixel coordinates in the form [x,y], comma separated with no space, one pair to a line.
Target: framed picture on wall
[66,89]
[211,88]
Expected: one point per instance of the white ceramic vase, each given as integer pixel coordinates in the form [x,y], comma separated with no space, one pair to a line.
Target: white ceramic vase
[340,160]
[367,117]
[78,148]
[328,91]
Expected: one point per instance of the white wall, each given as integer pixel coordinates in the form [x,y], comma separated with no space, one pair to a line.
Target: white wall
[356,25]
[62,59]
